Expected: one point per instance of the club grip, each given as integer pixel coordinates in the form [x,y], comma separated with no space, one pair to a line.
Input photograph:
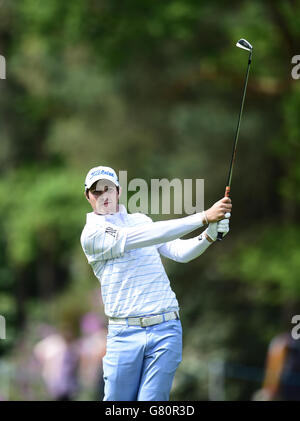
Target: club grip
[220,234]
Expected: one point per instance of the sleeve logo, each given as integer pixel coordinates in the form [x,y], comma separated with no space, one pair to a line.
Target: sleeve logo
[111,231]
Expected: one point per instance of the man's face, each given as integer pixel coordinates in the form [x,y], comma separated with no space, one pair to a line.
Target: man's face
[103,197]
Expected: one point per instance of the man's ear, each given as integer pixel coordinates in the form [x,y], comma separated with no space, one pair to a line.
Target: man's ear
[120,191]
[86,193]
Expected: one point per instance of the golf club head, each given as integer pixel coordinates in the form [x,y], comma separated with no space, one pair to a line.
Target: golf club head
[244,44]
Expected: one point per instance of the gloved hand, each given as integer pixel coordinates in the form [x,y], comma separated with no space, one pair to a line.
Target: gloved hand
[215,227]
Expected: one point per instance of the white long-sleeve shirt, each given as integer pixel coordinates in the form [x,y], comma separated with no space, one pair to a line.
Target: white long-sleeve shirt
[124,251]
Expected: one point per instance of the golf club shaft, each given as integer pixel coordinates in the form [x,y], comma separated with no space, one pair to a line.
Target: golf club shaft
[227,189]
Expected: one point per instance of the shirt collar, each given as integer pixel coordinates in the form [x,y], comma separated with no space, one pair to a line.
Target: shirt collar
[92,216]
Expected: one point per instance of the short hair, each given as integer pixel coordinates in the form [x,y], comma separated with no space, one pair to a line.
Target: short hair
[87,190]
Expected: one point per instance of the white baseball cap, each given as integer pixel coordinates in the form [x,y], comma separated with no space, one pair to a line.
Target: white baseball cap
[100,173]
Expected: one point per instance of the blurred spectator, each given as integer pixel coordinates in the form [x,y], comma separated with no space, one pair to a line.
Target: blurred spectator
[92,350]
[282,373]
[58,356]
[72,367]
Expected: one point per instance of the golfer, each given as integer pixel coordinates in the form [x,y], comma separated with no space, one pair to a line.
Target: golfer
[144,341]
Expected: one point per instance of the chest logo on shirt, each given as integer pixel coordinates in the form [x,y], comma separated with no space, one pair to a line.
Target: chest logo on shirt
[111,231]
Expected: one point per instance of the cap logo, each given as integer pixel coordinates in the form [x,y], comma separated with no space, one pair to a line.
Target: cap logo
[98,172]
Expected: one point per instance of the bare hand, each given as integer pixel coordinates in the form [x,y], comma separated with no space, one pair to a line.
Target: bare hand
[218,210]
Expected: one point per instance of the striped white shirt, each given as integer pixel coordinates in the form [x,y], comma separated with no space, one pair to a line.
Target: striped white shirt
[134,282]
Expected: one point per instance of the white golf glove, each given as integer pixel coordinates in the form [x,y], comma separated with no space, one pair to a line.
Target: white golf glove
[215,227]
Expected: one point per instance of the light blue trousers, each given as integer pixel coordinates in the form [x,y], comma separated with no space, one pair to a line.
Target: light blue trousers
[140,362]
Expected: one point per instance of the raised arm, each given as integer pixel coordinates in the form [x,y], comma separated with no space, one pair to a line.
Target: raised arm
[184,251]
[108,241]
[164,231]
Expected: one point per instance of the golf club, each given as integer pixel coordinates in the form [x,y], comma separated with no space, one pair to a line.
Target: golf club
[245,45]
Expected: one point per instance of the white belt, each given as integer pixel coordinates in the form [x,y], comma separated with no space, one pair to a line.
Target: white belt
[145,321]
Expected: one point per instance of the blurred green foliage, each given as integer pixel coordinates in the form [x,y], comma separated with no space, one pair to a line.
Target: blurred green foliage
[153,88]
